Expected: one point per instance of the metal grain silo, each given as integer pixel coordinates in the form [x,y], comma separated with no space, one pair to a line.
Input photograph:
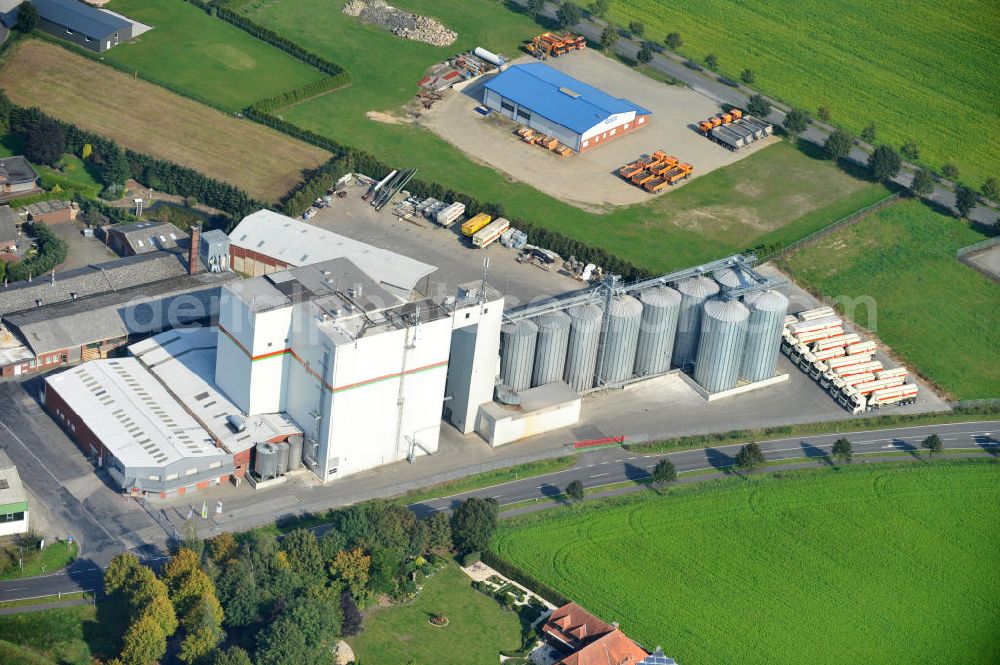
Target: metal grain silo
[731,278]
[550,350]
[517,356]
[581,352]
[767,318]
[720,350]
[266,462]
[620,339]
[294,452]
[283,450]
[660,307]
[694,292]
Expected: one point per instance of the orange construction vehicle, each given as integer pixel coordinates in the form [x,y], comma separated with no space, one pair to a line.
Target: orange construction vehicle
[663,165]
[642,177]
[630,170]
[551,44]
[680,172]
[734,114]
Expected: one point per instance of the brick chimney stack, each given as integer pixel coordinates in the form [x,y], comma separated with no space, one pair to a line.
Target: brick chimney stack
[195,250]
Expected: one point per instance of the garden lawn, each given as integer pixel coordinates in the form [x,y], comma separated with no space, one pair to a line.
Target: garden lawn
[205,57]
[70,636]
[921,71]
[870,564]
[941,316]
[477,632]
[722,212]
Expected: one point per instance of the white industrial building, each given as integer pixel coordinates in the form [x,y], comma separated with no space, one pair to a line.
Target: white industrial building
[13,499]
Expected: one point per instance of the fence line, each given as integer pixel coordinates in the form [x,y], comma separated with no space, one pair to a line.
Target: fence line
[855,216]
[981,245]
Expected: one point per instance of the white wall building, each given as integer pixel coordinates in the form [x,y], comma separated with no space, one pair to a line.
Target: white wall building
[13,499]
[359,369]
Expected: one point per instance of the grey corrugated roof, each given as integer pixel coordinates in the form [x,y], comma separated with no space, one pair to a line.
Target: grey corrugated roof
[16,170]
[136,311]
[92,280]
[149,236]
[8,225]
[82,18]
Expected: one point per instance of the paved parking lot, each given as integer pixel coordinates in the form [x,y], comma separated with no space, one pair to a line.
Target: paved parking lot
[457,261]
[589,180]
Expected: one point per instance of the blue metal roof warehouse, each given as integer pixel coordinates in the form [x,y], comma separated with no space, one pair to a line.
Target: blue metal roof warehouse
[579,115]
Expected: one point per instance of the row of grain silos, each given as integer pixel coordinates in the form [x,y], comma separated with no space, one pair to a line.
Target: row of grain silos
[647,334]
[275,459]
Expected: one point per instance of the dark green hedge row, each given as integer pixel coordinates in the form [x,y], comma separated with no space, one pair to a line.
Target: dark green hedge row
[509,570]
[156,173]
[228,13]
[52,251]
[306,91]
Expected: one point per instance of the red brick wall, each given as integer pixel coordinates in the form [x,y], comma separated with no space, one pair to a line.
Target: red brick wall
[620,131]
[69,419]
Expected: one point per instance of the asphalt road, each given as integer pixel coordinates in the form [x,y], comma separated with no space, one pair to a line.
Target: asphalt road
[709,85]
[614,465]
[595,469]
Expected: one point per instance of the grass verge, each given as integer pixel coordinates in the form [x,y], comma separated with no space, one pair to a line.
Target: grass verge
[856,425]
[52,558]
[43,600]
[489,479]
[69,635]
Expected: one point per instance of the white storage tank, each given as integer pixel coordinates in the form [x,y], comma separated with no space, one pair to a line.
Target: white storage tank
[619,344]
[581,352]
[694,292]
[660,308]
[266,461]
[517,355]
[550,349]
[488,56]
[294,452]
[720,350]
[767,320]
[282,457]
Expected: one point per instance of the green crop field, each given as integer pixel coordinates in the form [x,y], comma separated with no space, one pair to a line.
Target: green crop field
[871,564]
[205,57]
[923,71]
[937,313]
[722,212]
[478,629]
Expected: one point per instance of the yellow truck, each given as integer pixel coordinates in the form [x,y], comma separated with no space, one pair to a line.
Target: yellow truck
[472,225]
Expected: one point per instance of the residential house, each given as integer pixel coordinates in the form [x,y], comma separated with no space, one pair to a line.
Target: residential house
[17,178]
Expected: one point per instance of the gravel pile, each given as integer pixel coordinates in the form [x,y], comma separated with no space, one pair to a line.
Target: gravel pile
[402,24]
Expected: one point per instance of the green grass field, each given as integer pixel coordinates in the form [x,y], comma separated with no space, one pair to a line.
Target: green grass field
[937,313]
[477,631]
[920,71]
[54,557]
[872,564]
[69,636]
[205,57]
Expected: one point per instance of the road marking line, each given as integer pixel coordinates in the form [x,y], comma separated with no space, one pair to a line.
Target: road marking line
[590,465]
[634,457]
[82,506]
[598,475]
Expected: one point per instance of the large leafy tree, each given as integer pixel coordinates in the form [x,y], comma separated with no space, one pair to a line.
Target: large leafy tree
[568,15]
[663,473]
[439,532]
[759,106]
[304,555]
[352,568]
[473,524]
[283,643]
[842,450]
[44,141]
[750,457]
[144,643]
[838,144]
[884,163]
[923,182]
[27,18]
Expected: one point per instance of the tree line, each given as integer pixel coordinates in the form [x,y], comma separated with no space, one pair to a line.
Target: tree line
[259,598]
[46,139]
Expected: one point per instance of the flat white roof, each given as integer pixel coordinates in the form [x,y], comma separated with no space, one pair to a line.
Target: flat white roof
[184,361]
[298,243]
[132,413]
